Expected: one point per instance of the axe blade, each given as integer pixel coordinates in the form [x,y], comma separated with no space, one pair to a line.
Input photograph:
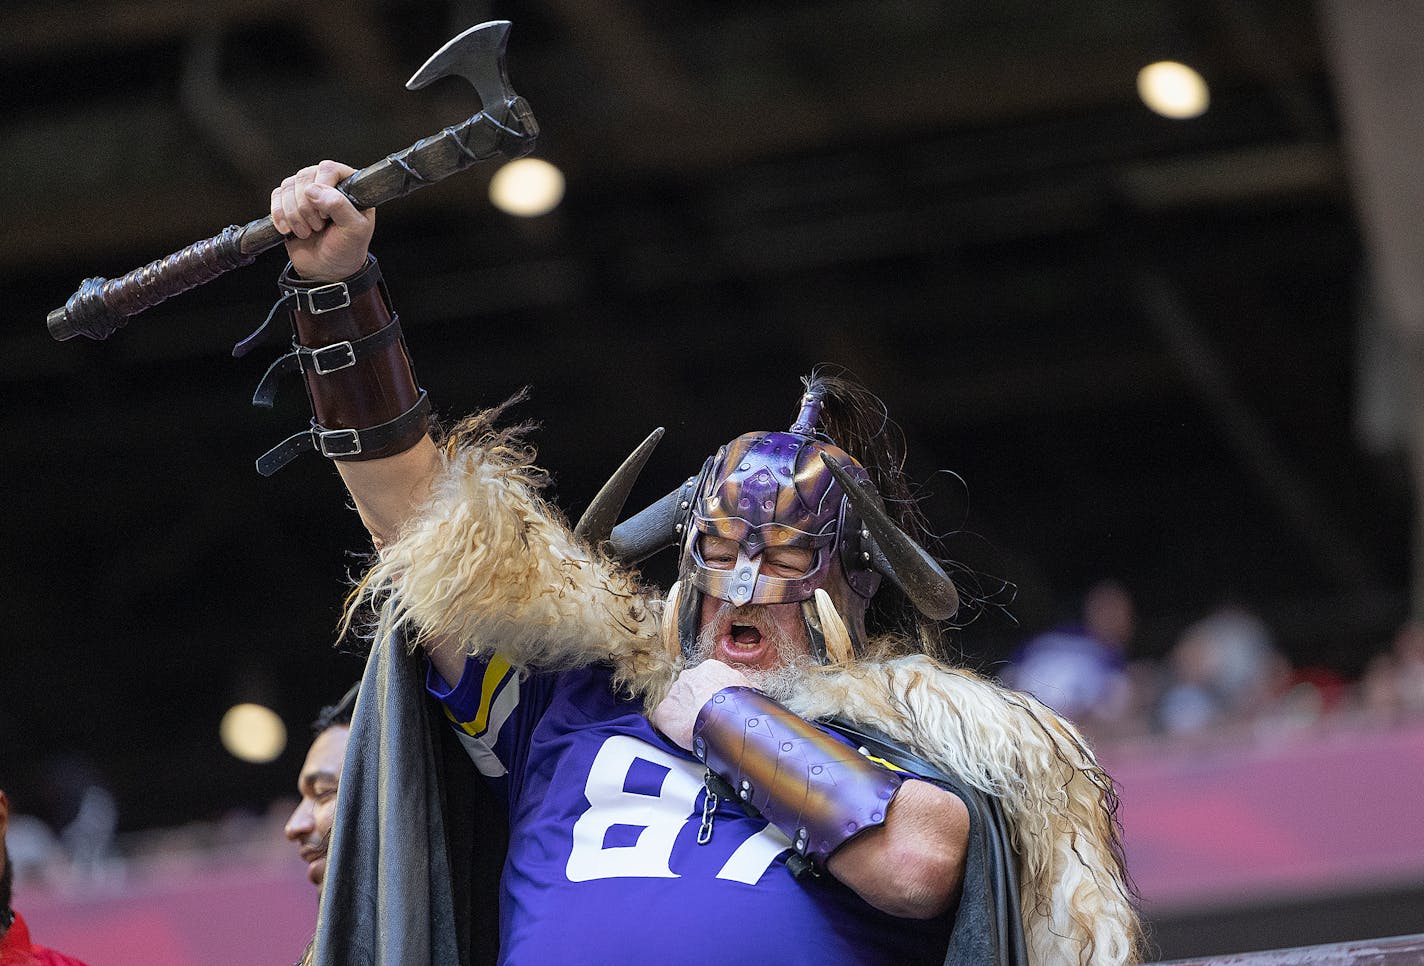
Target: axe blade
[477,55]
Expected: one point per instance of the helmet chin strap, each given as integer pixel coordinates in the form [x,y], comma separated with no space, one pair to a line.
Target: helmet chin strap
[815,629]
[688,616]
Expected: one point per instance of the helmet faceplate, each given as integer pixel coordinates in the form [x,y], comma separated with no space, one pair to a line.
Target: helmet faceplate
[772,490]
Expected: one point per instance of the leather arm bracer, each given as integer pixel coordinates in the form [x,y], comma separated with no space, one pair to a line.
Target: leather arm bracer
[818,790]
[348,345]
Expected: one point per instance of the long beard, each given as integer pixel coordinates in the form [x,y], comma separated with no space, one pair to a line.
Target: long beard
[787,668]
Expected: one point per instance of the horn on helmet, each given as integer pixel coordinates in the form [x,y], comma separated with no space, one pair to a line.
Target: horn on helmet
[596,524]
[648,531]
[895,554]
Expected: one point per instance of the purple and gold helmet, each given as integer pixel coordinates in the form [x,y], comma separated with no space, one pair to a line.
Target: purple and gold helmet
[793,489]
[768,490]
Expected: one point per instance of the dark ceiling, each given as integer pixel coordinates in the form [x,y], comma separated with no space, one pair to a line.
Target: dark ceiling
[1130,340]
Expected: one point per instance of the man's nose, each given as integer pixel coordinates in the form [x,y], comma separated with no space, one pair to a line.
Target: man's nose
[301,821]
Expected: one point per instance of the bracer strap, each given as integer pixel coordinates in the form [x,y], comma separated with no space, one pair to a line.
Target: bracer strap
[339,444]
[324,360]
[348,345]
[320,298]
[811,785]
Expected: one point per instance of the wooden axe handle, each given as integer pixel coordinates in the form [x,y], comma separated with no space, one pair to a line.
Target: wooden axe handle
[103,306]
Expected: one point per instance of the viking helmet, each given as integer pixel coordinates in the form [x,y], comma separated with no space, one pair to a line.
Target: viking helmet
[795,489]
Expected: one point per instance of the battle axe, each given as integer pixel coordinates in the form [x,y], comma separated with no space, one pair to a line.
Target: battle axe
[504,127]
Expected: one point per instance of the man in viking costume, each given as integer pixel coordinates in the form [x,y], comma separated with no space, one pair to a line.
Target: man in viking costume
[733,769]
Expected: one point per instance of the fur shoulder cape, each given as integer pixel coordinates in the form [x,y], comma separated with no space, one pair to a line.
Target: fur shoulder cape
[489,566]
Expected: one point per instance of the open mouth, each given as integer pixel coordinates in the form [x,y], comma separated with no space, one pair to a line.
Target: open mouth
[742,644]
[745,635]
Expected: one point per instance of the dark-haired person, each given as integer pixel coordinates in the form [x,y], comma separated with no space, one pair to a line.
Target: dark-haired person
[309,828]
[736,768]
[16,947]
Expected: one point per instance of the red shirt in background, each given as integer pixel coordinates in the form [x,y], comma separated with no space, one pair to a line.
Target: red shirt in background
[17,950]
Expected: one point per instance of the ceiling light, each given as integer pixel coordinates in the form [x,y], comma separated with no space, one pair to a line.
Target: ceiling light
[253,733]
[527,187]
[1173,90]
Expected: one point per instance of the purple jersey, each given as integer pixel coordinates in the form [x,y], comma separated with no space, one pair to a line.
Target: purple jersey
[604,864]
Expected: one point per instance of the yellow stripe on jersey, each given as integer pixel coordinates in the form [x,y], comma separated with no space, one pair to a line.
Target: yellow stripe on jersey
[883,763]
[496,673]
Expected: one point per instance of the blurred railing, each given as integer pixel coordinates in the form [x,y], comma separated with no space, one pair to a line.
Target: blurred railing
[1304,812]
[1396,951]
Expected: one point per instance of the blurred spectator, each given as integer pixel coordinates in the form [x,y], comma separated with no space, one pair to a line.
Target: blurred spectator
[1309,694]
[1079,670]
[1224,669]
[310,825]
[34,850]
[1393,683]
[16,948]
[85,813]
[1378,695]
[1409,666]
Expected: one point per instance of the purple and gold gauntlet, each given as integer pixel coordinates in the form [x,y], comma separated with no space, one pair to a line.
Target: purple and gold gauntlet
[814,787]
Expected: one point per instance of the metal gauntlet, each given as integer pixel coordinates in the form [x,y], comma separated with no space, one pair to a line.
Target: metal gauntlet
[814,787]
[348,346]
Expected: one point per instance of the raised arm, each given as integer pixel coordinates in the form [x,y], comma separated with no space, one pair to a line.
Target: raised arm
[328,242]
[488,565]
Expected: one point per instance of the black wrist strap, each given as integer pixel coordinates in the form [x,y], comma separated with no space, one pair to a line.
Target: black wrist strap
[314,298]
[323,360]
[341,443]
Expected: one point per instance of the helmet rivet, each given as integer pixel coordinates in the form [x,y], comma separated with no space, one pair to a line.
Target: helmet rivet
[865,555]
[745,466]
[685,504]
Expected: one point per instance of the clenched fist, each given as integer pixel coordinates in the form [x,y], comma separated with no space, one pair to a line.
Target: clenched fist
[694,687]
[327,237]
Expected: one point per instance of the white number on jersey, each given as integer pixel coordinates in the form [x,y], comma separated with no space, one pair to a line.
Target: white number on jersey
[661,818]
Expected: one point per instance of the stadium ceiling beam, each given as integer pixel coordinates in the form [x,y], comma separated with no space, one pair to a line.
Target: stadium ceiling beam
[1377,51]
